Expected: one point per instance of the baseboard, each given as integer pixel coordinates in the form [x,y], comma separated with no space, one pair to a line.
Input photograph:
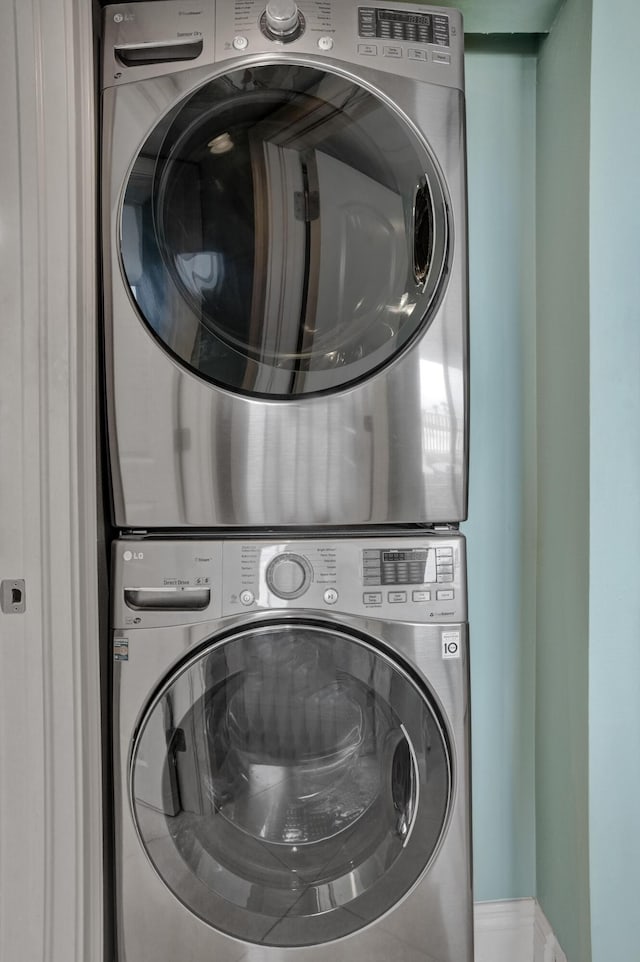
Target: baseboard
[516,930]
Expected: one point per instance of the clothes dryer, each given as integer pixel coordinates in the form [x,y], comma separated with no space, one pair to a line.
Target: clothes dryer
[291,750]
[284,261]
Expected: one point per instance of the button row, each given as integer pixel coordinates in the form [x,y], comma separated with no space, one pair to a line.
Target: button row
[247,597]
[371,50]
[444,564]
[400,597]
[241,43]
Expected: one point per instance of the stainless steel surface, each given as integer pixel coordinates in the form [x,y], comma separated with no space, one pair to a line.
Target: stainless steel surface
[389,448]
[171,665]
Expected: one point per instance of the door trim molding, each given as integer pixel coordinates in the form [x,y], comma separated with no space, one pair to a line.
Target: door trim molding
[51,874]
[514,930]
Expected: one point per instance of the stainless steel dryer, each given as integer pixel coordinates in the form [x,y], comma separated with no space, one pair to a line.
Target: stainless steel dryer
[285,272]
[291,750]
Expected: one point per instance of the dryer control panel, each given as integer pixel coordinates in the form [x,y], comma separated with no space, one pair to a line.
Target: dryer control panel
[402,578]
[161,37]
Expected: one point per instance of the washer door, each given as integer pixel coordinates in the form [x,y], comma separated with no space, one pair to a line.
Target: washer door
[290,783]
[284,231]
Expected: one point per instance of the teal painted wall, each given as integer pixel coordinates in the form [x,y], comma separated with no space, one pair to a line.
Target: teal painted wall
[562,618]
[500,86]
[614,723]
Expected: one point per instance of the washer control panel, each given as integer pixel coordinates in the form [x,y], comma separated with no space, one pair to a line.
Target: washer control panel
[404,578]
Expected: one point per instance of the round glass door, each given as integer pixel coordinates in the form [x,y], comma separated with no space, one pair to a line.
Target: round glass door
[290,784]
[284,232]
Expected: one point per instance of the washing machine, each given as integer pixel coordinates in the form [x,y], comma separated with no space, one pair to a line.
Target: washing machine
[284,263]
[291,750]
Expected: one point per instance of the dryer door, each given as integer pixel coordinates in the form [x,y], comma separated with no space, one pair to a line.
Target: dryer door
[284,231]
[310,783]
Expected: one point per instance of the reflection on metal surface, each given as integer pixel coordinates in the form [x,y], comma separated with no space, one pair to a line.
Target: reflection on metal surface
[295,783]
[276,213]
[330,422]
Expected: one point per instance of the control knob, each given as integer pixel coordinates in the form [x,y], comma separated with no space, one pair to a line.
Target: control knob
[282,18]
[288,576]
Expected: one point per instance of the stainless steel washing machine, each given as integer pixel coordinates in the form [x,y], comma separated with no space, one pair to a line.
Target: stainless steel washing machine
[291,741]
[284,261]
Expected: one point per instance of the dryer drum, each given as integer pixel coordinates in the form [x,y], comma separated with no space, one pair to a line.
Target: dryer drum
[284,219]
[295,783]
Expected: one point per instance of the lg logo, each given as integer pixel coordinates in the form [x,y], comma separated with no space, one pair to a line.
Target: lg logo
[119,17]
[133,555]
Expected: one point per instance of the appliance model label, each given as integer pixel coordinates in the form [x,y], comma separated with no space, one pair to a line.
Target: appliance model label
[121,649]
[451,644]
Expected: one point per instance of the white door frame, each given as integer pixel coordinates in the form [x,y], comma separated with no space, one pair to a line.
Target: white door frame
[50,757]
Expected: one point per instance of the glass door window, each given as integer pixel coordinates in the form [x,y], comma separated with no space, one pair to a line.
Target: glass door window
[290,784]
[284,232]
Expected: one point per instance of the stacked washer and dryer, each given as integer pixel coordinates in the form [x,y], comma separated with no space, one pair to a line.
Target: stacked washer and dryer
[285,306]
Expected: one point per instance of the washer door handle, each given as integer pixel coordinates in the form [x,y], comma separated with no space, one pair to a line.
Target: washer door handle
[404,785]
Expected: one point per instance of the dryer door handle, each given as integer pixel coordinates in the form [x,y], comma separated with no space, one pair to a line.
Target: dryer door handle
[167,599]
[423,233]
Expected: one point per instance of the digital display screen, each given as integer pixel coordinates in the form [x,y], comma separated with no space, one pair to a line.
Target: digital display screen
[404,555]
[397,566]
[422,20]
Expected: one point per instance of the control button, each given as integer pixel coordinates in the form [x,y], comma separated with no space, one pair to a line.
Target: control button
[247,597]
[325,43]
[443,577]
[372,597]
[441,57]
[392,51]
[414,54]
[371,580]
[446,595]
[240,43]
[444,569]
[421,596]
[440,552]
[396,597]
[331,596]
[288,576]
[368,49]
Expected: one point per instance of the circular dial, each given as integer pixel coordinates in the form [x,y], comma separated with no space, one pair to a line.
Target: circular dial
[282,17]
[288,576]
